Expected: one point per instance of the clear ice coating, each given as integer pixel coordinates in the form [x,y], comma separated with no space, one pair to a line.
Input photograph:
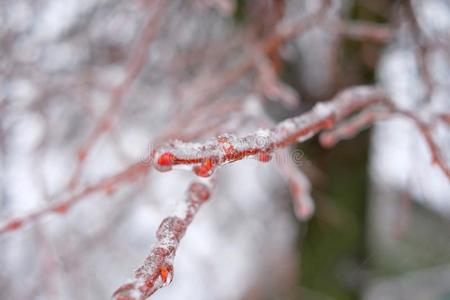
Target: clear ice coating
[206,157]
[157,270]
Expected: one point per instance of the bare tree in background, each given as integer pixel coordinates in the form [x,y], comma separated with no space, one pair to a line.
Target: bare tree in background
[117,118]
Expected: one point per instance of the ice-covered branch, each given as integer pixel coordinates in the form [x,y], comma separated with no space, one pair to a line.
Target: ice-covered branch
[206,157]
[283,33]
[229,148]
[351,127]
[425,130]
[157,270]
[106,185]
[299,186]
[117,94]
[269,83]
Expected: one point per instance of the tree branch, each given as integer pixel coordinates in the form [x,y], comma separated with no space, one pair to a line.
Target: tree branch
[106,185]
[157,270]
[206,157]
[228,148]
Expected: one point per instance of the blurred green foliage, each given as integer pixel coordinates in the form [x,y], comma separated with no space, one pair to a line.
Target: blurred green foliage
[335,236]
[333,251]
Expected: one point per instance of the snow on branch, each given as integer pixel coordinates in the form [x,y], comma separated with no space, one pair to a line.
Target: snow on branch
[157,270]
[206,157]
[371,102]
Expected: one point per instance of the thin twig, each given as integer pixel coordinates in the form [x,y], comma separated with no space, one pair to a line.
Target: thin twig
[117,94]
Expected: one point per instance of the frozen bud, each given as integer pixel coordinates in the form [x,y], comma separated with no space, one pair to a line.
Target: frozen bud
[206,168]
[164,161]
